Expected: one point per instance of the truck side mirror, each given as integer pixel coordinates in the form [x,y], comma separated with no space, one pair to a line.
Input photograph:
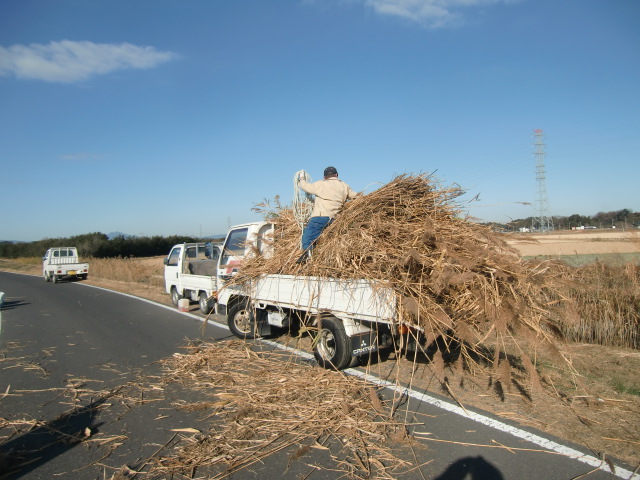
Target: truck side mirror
[166,261]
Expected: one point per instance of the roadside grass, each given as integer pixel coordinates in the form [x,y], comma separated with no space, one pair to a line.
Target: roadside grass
[148,271]
[22,263]
[606,299]
[620,386]
[580,260]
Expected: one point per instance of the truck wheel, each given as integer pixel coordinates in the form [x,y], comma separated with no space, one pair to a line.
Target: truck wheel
[205,304]
[332,347]
[242,321]
[54,278]
[175,296]
[46,276]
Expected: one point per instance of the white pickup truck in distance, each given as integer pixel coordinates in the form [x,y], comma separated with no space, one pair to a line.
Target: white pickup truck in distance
[62,262]
[190,271]
[348,318]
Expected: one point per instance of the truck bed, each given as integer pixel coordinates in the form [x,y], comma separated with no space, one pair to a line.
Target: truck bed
[359,299]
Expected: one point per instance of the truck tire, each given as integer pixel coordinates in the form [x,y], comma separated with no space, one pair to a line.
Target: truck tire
[205,303]
[175,296]
[242,321]
[332,347]
[54,278]
[46,277]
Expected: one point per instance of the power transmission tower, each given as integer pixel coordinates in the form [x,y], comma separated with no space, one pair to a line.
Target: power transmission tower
[543,222]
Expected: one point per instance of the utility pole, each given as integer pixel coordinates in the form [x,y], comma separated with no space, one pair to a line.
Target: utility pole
[544,221]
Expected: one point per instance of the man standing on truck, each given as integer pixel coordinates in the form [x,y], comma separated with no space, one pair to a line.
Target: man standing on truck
[331,195]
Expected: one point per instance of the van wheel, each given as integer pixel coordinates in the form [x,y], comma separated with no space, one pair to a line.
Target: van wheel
[242,321]
[175,296]
[205,304]
[332,345]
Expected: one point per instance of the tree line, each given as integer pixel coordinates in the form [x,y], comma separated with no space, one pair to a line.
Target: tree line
[97,245]
[624,218]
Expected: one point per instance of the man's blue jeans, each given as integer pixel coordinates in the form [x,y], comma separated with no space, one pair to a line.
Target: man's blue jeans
[312,231]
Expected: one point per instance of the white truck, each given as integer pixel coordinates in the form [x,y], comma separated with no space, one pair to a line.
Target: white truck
[347,318]
[190,271]
[63,262]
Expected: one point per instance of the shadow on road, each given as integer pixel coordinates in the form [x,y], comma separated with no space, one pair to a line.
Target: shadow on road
[471,468]
[23,454]
[11,304]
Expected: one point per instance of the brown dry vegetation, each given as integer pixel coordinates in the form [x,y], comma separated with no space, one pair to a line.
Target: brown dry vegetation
[460,281]
[577,242]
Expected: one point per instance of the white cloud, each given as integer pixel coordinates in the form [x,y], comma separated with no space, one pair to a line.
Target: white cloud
[68,61]
[432,13]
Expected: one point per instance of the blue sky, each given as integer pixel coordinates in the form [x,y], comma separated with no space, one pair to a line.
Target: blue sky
[161,117]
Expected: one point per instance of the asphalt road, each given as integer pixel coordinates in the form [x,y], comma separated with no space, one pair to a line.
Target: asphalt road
[71,357]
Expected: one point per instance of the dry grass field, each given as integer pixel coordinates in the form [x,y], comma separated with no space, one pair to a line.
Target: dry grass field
[578,242]
[597,405]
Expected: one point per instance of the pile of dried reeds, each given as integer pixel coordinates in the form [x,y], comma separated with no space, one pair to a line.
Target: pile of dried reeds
[260,405]
[453,278]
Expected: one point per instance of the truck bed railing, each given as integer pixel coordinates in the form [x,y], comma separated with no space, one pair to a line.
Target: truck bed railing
[64,260]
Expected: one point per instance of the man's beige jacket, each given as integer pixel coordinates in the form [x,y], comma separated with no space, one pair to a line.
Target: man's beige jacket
[331,194]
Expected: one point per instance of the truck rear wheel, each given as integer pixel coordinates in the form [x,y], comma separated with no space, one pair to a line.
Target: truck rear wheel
[242,321]
[54,278]
[205,303]
[332,348]
[175,296]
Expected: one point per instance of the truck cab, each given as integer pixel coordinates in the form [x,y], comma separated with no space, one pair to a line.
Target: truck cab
[190,271]
[243,241]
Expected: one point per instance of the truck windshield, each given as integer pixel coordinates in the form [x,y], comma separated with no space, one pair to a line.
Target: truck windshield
[234,247]
[173,257]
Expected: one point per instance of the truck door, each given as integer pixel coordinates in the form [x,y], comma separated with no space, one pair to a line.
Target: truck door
[232,253]
[172,268]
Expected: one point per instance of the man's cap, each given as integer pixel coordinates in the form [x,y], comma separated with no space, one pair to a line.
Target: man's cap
[330,171]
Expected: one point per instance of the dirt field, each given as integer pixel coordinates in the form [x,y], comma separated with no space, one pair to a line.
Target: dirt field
[602,413]
[578,242]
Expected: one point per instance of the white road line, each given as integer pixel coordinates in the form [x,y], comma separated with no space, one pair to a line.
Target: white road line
[1,307]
